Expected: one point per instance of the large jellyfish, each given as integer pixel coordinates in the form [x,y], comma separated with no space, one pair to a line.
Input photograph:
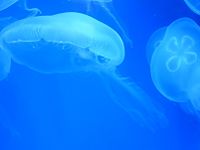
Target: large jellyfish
[4,4]
[194,5]
[74,42]
[109,9]
[175,65]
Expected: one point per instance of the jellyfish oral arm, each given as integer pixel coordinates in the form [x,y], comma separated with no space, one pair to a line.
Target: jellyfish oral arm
[133,99]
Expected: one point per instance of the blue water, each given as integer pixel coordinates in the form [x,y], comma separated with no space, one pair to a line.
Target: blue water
[74,111]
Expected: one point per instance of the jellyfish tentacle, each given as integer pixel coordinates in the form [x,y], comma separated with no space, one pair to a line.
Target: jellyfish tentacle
[33,11]
[134,100]
[88,6]
[124,33]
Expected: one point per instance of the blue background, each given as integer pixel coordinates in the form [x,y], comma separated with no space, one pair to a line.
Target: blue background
[74,111]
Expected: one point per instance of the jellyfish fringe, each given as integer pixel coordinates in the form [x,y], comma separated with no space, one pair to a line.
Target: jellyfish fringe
[134,100]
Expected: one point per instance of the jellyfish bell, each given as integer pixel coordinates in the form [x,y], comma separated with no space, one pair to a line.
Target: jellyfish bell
[166,68]
[46,38]
[194,5]
[175,63]
[154,42]
[70,42]
[4,4]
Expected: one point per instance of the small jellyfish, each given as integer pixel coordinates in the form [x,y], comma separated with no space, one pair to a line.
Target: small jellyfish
[109,9]
[5,62]
[194,5]
[74,42]
[175,65]
[4,4]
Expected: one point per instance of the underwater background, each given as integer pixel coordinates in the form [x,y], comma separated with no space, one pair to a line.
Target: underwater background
[74,111]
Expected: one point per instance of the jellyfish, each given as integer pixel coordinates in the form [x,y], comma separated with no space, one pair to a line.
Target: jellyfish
[107,6]
[175,65]
[154,42]
[74,42]
[194,5]
[4,4]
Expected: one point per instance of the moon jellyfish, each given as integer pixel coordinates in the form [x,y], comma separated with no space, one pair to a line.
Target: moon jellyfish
[4,4]
[5,62]
[74,42]
[194,5]
[154,42]
[175,65]
[107,7]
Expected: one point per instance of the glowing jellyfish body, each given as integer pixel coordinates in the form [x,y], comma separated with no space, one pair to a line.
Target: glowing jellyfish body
[49,40]
[70,42]
[4,4]
[194,5]
[107,6]
[175,65]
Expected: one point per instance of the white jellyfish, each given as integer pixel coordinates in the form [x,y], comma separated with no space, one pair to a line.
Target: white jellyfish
[175,65]
[74,42]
